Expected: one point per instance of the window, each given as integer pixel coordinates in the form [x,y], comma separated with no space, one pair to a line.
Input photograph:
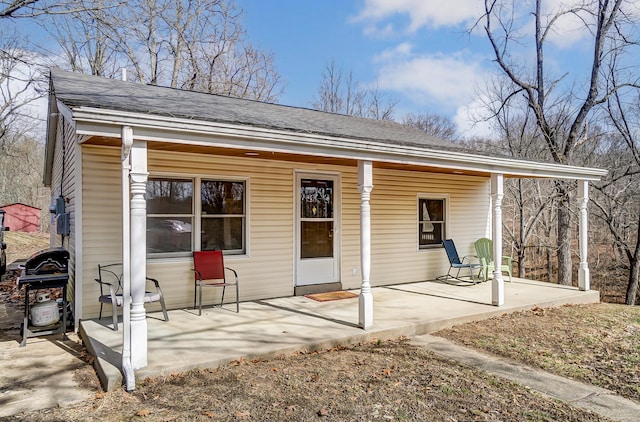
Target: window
[431,222]
[222,216]
[316,218]
[174,215]
[169,215]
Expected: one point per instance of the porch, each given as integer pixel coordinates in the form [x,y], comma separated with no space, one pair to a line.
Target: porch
[273,327]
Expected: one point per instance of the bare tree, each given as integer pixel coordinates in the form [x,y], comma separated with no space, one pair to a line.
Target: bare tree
[86,42]
[561,109]
[20,154]
[618,199]
[528,203]
[433,124]
[341,93]
[35,8]
[196,45]
[18,81]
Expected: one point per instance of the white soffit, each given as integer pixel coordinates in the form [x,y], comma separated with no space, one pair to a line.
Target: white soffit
[100,122]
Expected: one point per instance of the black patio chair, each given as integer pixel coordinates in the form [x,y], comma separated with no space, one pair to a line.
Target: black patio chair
[456,263]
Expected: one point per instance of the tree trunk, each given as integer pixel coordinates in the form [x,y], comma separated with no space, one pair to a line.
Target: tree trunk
[521,231]
[634,271]
[632,287]
[564,234]
[549,263]
[521,263]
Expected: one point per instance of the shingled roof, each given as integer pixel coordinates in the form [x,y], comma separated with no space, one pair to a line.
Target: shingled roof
[80,90]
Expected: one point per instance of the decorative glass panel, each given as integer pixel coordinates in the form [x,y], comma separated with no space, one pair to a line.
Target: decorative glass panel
[316,198]
[169,196]
[431,224]
[226,233]
[317,239]
[168,234]
[222,197]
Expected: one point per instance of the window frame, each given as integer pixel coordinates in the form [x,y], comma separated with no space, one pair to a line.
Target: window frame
[169,215]
[445,222]
[196,227]
[242,216]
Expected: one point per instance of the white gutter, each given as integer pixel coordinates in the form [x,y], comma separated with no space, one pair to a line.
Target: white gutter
[99,122]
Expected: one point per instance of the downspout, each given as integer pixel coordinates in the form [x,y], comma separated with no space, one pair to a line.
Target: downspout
[127,367]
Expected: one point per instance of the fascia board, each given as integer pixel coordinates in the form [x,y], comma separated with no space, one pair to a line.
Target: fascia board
[66,112]
[99,122]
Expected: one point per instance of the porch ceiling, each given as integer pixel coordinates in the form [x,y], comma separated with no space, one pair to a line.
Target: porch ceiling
[280,156]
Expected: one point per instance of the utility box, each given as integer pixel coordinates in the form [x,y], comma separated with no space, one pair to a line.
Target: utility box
[63,223]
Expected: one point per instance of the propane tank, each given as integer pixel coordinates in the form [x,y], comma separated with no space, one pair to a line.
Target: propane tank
[44,311]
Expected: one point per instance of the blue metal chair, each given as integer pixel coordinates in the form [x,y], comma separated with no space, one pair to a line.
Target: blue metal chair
[456,263]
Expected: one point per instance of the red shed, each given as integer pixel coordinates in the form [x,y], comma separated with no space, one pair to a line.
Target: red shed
[21,217]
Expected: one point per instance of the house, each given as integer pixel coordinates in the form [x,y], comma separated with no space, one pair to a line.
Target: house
[21,217]
[299,200]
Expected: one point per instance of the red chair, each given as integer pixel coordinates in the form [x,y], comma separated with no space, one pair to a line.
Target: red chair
[209,271]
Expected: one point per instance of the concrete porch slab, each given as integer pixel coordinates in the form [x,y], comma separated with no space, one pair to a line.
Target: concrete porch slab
[274,327]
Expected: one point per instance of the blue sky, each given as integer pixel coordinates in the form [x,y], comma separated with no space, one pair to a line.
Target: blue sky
[418,51]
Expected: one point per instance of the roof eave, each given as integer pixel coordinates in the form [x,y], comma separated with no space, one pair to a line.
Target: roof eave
[106,122]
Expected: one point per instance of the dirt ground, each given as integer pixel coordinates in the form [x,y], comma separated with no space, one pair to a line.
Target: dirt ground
[22,245]
[388,380]
[597,344]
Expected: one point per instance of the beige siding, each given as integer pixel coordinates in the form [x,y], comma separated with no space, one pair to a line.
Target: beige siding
[63,183]
[395,255]
[268,268]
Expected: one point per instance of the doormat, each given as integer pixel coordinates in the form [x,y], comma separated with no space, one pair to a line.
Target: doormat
[325,297]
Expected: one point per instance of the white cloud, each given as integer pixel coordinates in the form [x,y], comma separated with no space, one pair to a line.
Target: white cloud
[21,90]
[401,50]
[430,13]
[470,123]
[569,28]
[446,80]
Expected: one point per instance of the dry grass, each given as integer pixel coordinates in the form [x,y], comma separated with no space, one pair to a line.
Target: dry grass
[395,380]
[21,245]
[598,344]
[391,380]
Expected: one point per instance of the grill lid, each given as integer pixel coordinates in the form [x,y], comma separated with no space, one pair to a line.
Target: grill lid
[48,261]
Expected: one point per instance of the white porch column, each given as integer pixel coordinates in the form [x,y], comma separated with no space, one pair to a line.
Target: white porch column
[365,185]
[127,368]
[497,193]
[139,178]
[583,199]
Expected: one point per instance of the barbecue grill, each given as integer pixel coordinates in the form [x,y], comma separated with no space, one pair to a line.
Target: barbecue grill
[46,269]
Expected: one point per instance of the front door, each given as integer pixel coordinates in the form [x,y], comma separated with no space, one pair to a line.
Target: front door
[317,227]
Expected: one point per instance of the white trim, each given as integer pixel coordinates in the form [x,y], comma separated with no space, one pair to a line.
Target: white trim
[497,194]
[196,214]
[584,278]
[79,257]
[447,201]
[298,175]
[365,299]
[92,121]
[66,113]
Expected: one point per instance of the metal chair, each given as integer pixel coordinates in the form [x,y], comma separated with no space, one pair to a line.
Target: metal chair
[209,271]
[484,249]
[110,277]
[457,263]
